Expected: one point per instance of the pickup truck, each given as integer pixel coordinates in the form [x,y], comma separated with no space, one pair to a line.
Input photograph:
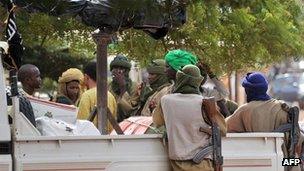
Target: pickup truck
[24,148]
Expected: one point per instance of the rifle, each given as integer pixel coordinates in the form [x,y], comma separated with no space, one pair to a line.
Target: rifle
[110,117]
[293,117]
[209,113]
[293,128]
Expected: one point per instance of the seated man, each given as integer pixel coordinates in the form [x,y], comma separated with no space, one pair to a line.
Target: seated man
[261,113]
[176,59]
[182,115]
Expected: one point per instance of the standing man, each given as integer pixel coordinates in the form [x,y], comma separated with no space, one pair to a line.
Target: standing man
[88,99]
[181,114]
[29,76]
[157,80]
[69,88]
[122,86]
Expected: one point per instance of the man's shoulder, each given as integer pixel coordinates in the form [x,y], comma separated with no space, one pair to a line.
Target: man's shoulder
[63,99]
[22,92]
[276,101]
[261,104]
[90,92]
[267,102]
[183,96]
[110,95]
[164,90]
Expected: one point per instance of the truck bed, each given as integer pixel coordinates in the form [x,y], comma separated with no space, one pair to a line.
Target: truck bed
[250,151]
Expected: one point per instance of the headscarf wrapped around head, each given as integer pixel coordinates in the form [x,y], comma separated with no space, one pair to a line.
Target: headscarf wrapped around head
[120,61]
[188,80]
[256,86]
[157,66]
[72,74]
[180,58]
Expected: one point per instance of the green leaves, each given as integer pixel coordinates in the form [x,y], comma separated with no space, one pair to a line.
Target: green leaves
[229,35]
[56,33]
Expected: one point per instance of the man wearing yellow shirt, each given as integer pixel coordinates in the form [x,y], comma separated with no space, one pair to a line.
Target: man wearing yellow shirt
[88,99]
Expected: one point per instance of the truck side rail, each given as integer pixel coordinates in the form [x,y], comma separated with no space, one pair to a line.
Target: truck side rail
[250,151]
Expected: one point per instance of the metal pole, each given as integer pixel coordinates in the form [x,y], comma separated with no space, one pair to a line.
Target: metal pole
[102,40]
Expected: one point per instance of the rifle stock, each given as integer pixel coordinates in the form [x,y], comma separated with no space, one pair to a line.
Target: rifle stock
[112,120]
[293,128]
[209,112]
[294,131]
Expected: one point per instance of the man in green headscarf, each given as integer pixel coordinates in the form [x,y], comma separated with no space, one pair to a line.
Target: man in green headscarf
[180,112]
[179,58]
[157,81]
[122,86]
[176,59]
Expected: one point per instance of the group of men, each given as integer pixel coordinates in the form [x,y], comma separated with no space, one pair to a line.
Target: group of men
[173,97]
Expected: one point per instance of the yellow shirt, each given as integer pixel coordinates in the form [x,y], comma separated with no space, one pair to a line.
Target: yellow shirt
[89,100]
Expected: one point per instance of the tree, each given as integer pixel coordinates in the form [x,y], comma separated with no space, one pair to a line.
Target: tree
[52,63]
[230,35]
[58,42]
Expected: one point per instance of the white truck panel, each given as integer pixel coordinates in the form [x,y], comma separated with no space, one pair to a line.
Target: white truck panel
[5,162]
[67,113]
[4,126]
[91,153]
[253,151]
[250,151]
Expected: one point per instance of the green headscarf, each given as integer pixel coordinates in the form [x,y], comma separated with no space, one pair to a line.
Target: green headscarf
[157,66]
[179,58]
[120,61]
[188,80]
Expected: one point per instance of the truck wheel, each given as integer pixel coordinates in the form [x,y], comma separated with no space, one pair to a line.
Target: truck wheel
[27,109]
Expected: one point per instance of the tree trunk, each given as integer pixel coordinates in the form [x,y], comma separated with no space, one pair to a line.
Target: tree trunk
[236,87]
[229,86]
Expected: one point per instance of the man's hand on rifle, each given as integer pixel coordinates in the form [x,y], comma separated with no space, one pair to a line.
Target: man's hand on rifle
[206,68]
